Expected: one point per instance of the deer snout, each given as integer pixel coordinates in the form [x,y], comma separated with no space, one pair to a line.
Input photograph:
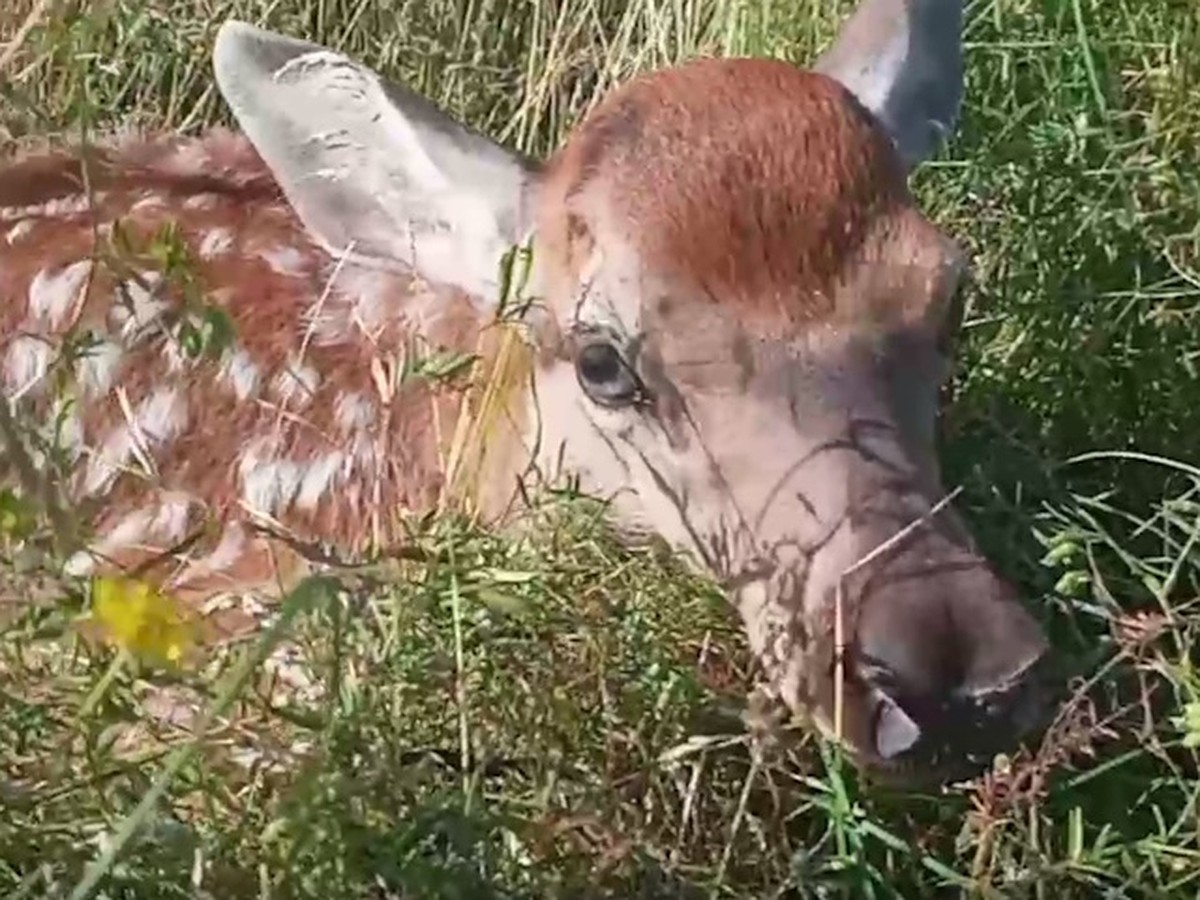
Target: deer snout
[957,668]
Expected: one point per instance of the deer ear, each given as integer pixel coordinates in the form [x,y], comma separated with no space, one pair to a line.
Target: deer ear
[374,171]
[903,60]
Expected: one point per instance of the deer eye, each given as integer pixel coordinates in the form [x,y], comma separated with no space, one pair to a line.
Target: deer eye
[606,376]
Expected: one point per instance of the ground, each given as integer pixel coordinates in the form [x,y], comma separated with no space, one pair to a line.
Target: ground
[550,715]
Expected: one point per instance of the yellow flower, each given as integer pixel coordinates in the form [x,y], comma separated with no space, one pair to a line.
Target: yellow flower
[143,621]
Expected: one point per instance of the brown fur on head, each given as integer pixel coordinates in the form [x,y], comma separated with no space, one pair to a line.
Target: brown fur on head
[751,183]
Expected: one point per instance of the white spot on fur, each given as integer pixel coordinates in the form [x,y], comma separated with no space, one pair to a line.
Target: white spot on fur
[170,520]
[58,208]
[26,363]
[18,231]
[225,555]
[215,242]
[318,477]
[158,419]
[269,485]
[191,158]
[297,381]
[201,201]
[172,351]
[283,260]
[148,202]
[227,551]
[353,411]
[162,415]
[96,367]
[53,295]
[128,532]
[241,372]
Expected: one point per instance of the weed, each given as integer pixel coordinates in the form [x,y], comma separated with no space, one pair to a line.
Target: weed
[544,714]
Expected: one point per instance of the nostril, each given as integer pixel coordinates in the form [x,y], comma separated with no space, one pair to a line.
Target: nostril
[1017,707]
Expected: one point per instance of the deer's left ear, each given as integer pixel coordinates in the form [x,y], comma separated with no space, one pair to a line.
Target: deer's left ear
[903,59]
[373,170]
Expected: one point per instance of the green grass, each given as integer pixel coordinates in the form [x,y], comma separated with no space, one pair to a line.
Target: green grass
[550,715]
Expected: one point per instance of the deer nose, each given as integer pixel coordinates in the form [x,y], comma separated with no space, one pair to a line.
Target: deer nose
[960,671]
[1011,711]
[961,730]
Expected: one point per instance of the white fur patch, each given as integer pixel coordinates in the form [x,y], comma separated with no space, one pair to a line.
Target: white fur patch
[173,355]
[296,382]
[169,523]
[128,532]
[228,549]
[18,231]
[318,477]
[283,260]
[58,208]
[162,415]
[201,201]
[26,363]
[353,411]
[96,368]
[241,372]
[226,554]
[191,158]
[269,485]
[215,243]
[52,295]
[158,419]
[148,202]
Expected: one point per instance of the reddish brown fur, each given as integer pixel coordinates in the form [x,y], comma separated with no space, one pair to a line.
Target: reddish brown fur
[267,309]
[749,182]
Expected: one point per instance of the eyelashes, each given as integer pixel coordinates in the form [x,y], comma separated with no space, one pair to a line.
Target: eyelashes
[605,373]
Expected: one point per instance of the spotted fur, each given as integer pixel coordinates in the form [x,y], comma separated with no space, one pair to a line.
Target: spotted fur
[289,427]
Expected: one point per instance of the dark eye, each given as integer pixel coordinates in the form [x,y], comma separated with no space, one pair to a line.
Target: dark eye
[605,376]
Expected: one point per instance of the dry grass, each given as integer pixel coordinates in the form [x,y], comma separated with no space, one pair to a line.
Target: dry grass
[545,714]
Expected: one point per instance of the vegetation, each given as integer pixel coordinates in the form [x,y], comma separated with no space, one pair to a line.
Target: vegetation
[544,714]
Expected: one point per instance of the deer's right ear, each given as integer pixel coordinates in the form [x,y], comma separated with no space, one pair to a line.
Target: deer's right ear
[373,170]
[903,60]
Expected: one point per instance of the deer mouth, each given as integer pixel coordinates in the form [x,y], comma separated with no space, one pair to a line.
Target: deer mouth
[962,734]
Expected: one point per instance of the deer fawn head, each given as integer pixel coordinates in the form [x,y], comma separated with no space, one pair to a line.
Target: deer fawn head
[741,323]
[742,337]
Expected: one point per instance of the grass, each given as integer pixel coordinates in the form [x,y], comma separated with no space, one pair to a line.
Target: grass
[544,714]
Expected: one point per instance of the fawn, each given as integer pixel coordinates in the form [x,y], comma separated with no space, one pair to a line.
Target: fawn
[737,326]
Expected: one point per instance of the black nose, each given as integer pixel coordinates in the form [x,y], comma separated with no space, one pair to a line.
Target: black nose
[1012,711]
[963,732]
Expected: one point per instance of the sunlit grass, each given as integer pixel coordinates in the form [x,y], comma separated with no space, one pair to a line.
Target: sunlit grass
[544,714]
